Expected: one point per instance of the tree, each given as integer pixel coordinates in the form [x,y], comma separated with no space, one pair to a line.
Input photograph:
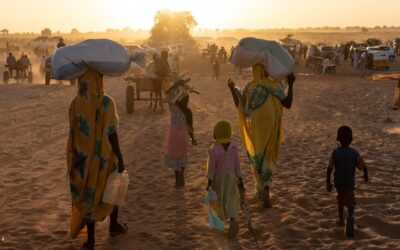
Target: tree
[373,41]
[46,32]
[75,31]
[172,27]
[4,31]
[364,29]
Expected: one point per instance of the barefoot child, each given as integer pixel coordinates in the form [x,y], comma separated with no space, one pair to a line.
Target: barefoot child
[344,160]
[224,175]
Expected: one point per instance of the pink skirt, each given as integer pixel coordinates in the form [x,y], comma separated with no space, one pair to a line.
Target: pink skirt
[177,146]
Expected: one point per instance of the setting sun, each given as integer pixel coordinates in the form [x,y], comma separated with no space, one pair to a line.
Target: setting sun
[209,14]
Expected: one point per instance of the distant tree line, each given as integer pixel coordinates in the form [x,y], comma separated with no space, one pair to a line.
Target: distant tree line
[183,22]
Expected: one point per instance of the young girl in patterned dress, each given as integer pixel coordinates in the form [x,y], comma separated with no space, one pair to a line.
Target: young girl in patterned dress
[224,175]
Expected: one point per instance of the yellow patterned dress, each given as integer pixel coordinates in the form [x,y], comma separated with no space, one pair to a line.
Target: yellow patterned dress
[93,118]
[260,117]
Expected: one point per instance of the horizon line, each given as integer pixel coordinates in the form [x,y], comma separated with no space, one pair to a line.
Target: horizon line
[201,29]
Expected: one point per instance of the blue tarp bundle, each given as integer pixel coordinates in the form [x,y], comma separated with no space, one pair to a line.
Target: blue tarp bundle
[102,55]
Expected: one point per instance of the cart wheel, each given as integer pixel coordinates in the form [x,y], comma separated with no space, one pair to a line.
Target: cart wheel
[30,77]
[47,78]
[6,77]
[72,82]
[130,93]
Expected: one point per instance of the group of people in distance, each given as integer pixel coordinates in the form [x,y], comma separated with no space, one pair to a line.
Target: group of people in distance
[20,66]
[94,150]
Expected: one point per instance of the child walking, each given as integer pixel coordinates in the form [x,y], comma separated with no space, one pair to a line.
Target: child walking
[215,70]
[344,161]
[224,175]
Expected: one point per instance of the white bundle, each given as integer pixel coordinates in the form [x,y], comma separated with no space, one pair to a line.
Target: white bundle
[251,51]
[102,55]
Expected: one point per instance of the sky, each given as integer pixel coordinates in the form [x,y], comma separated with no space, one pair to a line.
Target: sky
[98,15]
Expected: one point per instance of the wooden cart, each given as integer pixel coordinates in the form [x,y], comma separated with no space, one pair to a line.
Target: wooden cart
[21,72]
[141,84]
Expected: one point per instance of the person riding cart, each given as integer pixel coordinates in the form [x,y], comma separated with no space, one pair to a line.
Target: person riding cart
[11,61]
[23,65]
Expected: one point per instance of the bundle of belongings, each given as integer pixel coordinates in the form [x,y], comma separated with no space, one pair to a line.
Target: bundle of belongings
[251,51]
[102,55]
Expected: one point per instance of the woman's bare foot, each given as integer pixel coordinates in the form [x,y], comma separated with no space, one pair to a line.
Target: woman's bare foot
[265,197]
[117,229]
[191,134]
[179,179]
[88,245]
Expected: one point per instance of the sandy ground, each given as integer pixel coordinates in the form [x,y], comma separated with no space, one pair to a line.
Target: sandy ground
[35,205]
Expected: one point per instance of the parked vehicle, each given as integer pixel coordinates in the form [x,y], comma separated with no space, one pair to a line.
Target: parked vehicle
[327,51]
[377,59]
[389,50]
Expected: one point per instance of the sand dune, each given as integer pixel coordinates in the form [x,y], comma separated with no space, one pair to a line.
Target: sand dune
[35,205]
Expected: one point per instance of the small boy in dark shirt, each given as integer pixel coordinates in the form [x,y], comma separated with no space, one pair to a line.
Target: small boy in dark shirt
[344,161]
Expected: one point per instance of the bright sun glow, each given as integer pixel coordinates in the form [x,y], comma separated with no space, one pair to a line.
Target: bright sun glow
[125,12]
[97,15]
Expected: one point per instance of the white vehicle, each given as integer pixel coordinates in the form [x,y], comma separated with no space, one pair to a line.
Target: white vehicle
[387,49]
[327,51]
[377,58]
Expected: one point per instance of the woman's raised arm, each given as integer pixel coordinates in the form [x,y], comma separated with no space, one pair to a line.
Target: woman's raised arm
[287,102]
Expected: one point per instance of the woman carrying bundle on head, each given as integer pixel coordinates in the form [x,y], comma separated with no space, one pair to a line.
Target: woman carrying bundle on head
[260,107]
[93,151]
[93,154]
